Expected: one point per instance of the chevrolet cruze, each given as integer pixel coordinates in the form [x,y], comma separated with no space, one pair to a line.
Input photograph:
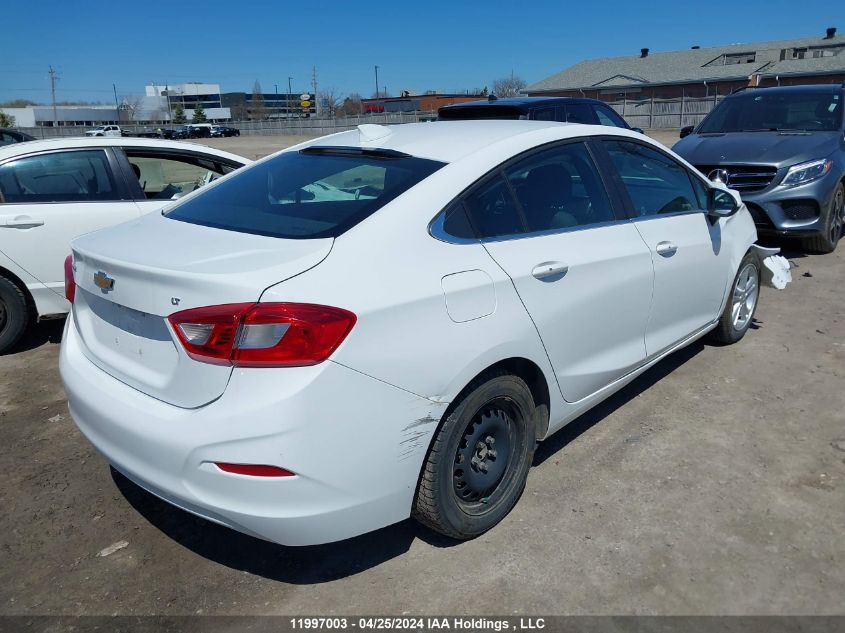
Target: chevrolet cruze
[384,322]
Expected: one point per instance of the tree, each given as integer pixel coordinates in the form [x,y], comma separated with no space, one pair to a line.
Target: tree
[509,86]
[258,109]
[329,102]
[179,115]
[199,114]
[351,105]
[6,120]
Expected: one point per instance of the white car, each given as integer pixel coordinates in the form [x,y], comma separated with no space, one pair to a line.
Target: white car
[105,130]
[308,370]
[54,190]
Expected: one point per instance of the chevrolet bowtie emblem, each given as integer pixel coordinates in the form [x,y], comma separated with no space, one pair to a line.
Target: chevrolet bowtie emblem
[103,281]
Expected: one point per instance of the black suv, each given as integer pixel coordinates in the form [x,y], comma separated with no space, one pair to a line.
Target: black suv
[564,109]
[783,149]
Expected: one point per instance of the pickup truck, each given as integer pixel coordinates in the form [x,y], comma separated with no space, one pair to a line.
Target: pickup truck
[105,130]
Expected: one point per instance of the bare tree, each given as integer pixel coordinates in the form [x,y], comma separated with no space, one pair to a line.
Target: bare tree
[351,105]
[258,110]
[328,101]
[509,86]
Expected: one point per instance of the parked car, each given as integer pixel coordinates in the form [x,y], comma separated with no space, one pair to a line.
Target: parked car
[222,130]
[193,131]
[9,136]
[53,190]
[307,368]
[564,109]
[106,130]
[783,149]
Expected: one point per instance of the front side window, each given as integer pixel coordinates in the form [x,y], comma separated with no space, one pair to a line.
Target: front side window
[609,117]
[162,176]
[74,176]
[560,188]
[314,193]
[655,183]
[544,114]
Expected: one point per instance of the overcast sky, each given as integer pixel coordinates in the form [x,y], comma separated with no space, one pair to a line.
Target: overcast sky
[444,46]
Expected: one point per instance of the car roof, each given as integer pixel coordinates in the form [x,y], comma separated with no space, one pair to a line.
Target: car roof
[29,147]
[449,141]
[821,88]
[521,102]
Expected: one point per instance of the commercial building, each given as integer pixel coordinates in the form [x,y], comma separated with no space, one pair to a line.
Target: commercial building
[702,72]
[269,105]
[187,95]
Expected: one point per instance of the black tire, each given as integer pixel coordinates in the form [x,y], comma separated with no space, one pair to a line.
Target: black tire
[462,495]
[730,328]
[14,314]
[834,218]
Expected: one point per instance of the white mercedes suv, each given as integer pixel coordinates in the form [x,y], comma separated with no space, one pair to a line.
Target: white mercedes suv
[383,322]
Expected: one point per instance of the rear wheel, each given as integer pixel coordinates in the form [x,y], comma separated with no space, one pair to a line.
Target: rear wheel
[14,314]
[739,310]
[478,463]
[834,220]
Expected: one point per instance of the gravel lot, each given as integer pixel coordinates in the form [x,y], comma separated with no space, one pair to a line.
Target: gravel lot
[714,484]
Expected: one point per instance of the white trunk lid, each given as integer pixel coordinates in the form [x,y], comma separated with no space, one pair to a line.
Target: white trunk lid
[160,266]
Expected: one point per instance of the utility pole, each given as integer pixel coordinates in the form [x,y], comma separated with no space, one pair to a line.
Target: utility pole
[314,86]
[287,101]
[376,82]
[53,91]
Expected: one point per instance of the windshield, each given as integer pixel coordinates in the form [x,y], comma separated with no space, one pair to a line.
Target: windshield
[313,193]
[760,111]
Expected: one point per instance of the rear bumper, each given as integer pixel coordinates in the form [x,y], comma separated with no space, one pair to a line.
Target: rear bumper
[356,445]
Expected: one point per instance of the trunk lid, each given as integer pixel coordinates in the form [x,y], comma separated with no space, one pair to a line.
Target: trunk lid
[131,277]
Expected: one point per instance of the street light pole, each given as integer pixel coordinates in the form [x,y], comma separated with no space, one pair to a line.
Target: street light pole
[376,82]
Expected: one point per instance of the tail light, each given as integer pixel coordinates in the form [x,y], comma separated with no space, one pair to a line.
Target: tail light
[262,334]
[70,284]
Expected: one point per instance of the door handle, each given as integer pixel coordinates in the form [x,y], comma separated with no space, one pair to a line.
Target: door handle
[666,249]
[549,269]
[20,222]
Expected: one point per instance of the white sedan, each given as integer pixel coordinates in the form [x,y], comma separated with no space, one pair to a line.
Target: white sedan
[54,190]
[307,369]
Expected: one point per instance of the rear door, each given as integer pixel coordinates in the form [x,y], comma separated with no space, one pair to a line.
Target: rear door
[583,273]
[157,176]
[691,269]
[47,199]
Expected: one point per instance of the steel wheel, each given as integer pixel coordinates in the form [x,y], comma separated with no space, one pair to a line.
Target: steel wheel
[746,291]
[483,454]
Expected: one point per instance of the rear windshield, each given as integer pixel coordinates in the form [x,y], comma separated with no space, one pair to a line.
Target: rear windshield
[310,194]
[480,112]
[759,111]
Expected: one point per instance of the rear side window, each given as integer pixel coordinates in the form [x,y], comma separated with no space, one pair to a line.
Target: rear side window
[580,113]
[58,177]
[492,210]
[314,193]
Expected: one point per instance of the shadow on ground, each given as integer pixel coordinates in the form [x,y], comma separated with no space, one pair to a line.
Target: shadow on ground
[324,563]
[37,335]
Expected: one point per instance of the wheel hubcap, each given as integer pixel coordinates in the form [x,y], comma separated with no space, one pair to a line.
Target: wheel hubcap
[745,294]
[483,454]
[837,219]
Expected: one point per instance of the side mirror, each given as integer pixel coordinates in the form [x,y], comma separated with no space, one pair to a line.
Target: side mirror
[721,204]
[637,129]
[686,130]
